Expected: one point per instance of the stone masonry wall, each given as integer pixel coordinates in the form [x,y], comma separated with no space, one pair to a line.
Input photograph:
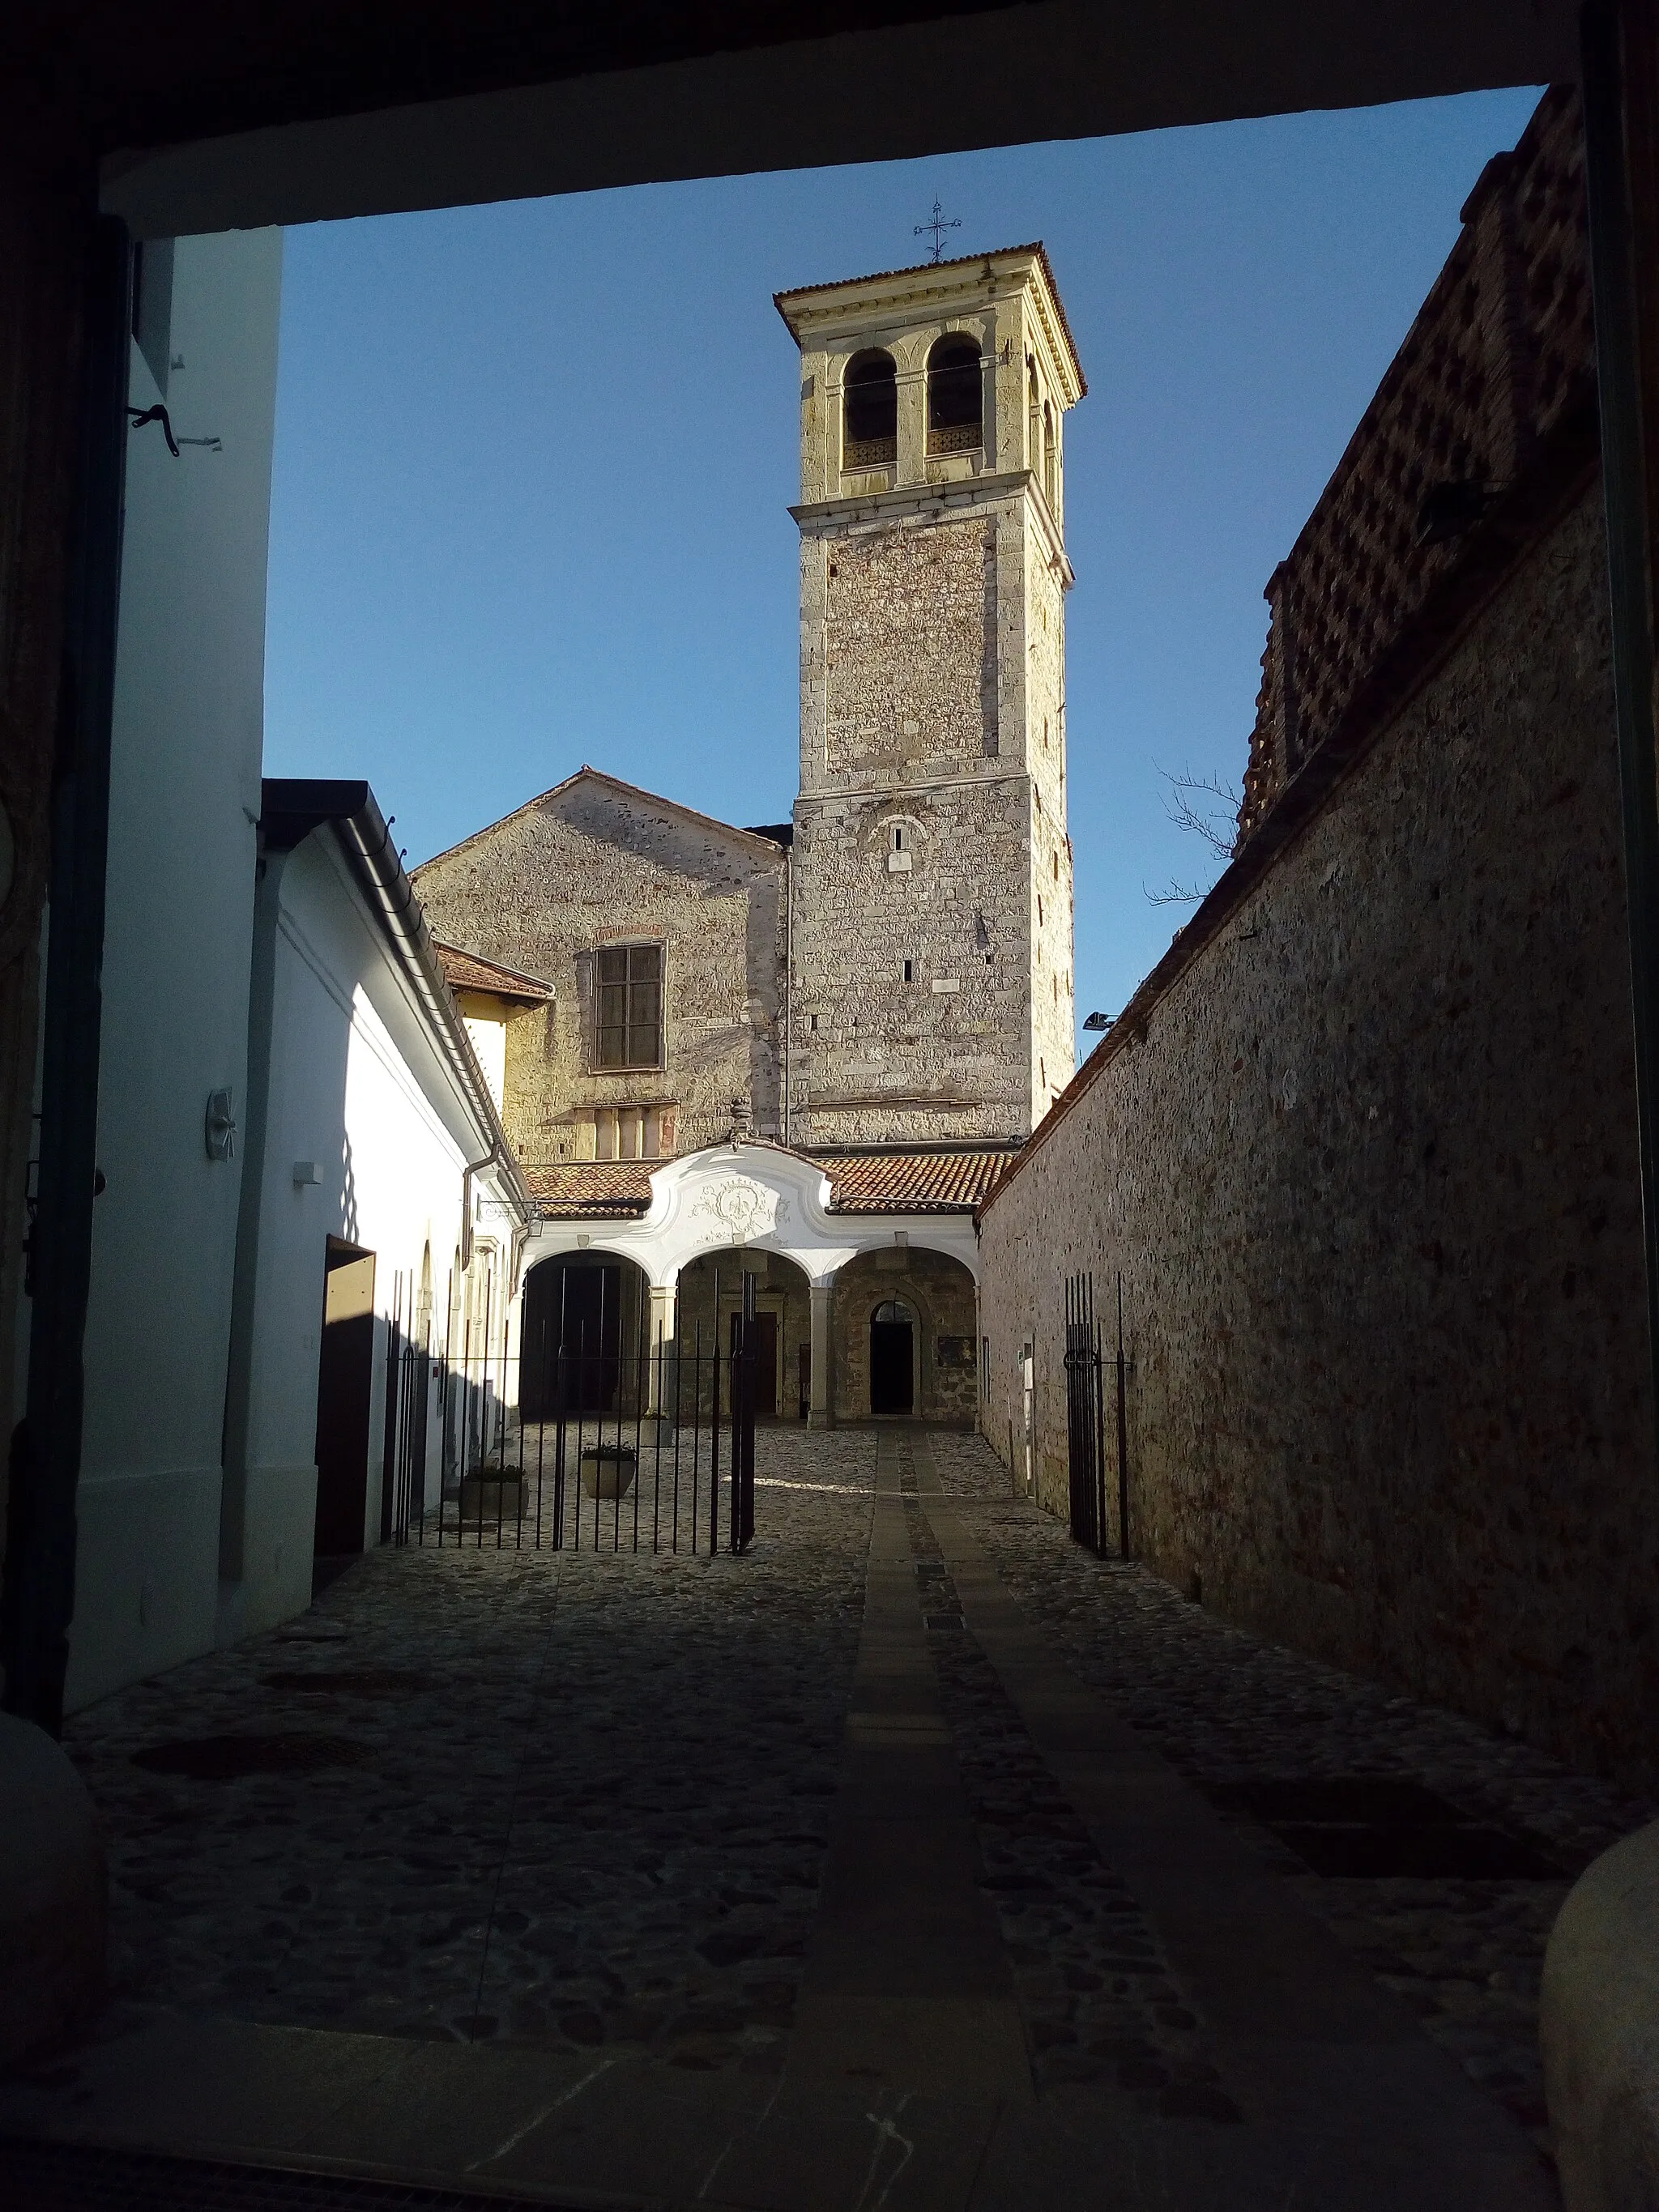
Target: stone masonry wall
[1369,1173]
[595,863]
[911,648]
[881,1057]
[1054,1021]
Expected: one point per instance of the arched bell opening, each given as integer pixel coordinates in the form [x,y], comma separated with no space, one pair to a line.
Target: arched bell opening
[956,396]
[870,404]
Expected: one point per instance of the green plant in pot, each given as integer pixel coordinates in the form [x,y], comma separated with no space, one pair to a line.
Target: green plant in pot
[607,1470]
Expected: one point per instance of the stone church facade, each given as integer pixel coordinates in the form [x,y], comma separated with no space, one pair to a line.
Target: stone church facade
[876,993]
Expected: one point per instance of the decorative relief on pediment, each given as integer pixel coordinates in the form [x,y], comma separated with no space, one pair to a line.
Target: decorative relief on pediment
[737,1211]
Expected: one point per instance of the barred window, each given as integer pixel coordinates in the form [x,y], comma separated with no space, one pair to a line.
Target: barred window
[628,991]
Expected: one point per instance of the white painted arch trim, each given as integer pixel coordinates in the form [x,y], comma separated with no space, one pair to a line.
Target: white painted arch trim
[756,1197]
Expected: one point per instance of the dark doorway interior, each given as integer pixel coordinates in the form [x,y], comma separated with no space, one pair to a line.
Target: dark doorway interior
[892,1358]
[575,1310]
[345,1375]
[766,1363]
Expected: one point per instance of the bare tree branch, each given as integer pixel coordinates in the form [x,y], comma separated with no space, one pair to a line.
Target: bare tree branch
[1206,807]
[1185,803]
[1175,894]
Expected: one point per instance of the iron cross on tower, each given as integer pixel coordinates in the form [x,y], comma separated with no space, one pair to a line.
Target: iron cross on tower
[939,225]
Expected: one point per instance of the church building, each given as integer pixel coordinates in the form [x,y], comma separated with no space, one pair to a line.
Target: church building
[807,1049]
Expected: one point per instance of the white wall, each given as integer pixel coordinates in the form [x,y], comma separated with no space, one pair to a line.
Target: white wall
[357,1086]
[184,796]
[488,1035]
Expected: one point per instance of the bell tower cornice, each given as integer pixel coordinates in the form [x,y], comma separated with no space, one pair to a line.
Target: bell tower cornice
[819,315]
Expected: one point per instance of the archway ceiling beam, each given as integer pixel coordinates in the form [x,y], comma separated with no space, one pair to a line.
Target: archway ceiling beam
[299,112]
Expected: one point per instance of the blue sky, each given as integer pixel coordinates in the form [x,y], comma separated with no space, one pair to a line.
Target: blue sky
[533,460]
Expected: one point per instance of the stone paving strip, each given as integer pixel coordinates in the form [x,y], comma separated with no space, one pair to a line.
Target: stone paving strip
[1228,1708]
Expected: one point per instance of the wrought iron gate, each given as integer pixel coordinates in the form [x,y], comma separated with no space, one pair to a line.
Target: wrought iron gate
[591,1437]
[1085,1421]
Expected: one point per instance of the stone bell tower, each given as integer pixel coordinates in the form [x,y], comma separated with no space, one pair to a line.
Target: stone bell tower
[930,874]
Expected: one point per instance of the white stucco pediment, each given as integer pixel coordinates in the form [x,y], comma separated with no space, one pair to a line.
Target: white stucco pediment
[756,1196]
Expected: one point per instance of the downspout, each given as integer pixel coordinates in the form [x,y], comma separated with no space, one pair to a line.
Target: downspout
[490,1160]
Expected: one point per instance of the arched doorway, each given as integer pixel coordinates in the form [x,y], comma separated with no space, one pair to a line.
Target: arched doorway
[892,1358]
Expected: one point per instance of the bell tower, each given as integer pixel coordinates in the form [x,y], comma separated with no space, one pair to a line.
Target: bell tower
[931,873]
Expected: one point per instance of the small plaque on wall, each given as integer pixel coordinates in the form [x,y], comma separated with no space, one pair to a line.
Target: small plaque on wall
[955,1352]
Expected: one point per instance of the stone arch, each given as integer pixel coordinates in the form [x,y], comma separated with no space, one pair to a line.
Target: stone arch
[939,1290]
[709,1292]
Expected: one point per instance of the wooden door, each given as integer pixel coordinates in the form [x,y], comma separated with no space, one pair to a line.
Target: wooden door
[892,1368]
[766,1363]
[345,1376]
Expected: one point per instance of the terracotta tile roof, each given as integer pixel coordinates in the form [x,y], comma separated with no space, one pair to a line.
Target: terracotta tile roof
[913,1182]
[608,1188]
[470,971]
[860,1183]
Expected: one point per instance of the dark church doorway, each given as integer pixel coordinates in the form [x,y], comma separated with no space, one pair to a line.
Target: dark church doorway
[575,1308]
[766,1363]
[345,1379]
[892,1358]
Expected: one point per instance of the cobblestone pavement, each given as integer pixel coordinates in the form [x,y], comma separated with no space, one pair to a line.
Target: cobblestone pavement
[585,1800]
[1227,1708]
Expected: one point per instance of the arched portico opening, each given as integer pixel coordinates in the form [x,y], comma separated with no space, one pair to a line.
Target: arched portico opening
[709,1300]
[585,1331]
[903,1325]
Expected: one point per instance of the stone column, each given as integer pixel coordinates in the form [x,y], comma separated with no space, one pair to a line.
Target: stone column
[821,1412]
[660,1332]
[911,467]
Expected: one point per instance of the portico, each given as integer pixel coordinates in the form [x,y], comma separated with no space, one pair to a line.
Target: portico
[757,1201]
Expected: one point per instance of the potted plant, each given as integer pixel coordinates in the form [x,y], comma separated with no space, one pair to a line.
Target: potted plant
[493,1491]
[607,1470]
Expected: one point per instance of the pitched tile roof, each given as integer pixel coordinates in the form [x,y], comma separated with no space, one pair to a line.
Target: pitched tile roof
[608,1188]
[913,1182]
[860,1183]
[470,971]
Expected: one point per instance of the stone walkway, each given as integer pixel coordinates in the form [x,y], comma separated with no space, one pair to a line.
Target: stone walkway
[855,1817]
[1226,1708]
